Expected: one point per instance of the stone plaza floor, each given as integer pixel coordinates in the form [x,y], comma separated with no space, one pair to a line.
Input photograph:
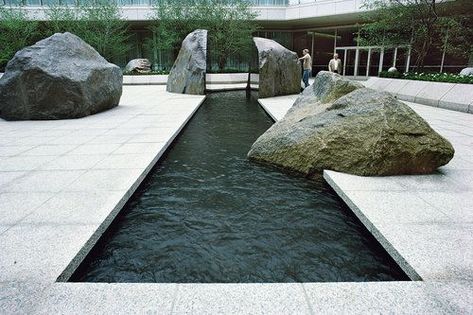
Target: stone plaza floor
[63,182]
[425,222]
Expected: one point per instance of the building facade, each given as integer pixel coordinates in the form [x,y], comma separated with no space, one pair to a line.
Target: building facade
[322,26]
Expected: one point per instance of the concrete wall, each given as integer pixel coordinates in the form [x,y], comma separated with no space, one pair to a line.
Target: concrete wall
[295,11]
[454,96]
[145,79]
[310,9]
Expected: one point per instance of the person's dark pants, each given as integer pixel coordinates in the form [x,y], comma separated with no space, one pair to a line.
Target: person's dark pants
[305,77]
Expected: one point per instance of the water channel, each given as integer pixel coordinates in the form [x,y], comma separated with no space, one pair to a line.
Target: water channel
[206,214]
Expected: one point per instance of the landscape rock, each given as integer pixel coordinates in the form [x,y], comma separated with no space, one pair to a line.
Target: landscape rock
[279,69]
[364,132]
[467,71]
[138,66]
[59,77]
[187,75]
[327,87]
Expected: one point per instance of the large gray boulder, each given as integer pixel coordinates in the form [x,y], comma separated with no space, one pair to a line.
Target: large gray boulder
[279,69]
[187,75]
[138,66]
[59,77]
[364,132]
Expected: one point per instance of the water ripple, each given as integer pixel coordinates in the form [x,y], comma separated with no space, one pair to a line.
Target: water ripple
[206,214]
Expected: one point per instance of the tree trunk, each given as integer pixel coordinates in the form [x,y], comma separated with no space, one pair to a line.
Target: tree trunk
[423,52]
[222,60]
[155,52]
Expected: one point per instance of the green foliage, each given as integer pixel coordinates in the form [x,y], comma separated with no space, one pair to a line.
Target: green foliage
[16,32]
[458,32]
[435,77]
[97,22]
[230,25]
[383,23]
[421,24]
[392,74]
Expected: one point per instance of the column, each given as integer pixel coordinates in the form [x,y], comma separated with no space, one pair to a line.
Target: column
[395,57]
[344,60]
[357,57]
[368,62]
[381,60]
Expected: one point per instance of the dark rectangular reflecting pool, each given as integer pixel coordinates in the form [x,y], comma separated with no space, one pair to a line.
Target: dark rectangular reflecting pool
[207,214]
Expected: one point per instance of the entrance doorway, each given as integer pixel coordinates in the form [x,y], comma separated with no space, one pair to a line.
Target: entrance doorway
[370,61]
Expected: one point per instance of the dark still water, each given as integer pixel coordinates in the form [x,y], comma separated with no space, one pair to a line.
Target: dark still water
[207,214]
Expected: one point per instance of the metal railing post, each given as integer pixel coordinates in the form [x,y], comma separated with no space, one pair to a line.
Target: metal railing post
[381,60]
[357,57]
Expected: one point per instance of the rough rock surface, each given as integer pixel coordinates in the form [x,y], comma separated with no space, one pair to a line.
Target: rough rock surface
[467,71]
[59,77]
[187,75]
[328,88]
[364,132]
[138,66]
[279,69]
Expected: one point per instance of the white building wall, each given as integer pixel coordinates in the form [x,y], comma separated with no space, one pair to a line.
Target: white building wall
[295,11]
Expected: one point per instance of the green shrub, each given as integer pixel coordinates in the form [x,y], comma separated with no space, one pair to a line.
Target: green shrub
[16,32]
[434,77]
[394,74]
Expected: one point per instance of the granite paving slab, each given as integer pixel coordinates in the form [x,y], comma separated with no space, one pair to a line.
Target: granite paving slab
[44,238]
[62,182]
[423,221]
[435,236]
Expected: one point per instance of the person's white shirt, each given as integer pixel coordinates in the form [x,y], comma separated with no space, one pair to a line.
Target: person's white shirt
[335,65]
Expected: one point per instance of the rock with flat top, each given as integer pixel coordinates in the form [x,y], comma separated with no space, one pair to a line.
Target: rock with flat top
[347,128]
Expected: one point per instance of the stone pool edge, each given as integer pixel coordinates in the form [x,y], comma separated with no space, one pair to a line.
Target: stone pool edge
[47,297]
[280,106]
[371,227]
[92,241]
[431,292]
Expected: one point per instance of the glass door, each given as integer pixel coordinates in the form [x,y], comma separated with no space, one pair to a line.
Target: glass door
[349,62]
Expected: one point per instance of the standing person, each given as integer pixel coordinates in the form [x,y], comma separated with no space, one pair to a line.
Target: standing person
[306,65]
[335,64]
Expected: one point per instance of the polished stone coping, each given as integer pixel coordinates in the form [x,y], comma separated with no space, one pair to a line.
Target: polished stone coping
[145,79]
[276,107]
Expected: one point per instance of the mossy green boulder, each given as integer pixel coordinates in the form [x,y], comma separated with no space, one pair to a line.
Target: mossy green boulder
[344,127]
